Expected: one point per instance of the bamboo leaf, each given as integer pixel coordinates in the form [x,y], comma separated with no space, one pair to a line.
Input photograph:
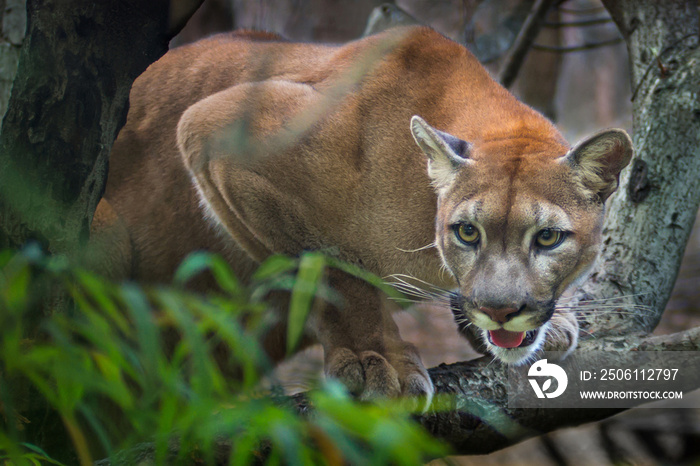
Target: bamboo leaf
[311,267]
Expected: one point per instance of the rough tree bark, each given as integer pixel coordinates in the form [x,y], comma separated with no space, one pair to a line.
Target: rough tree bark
[13,16]
[68,102]
[650,220]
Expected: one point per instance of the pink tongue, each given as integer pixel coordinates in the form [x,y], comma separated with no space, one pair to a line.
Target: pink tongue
[506,339]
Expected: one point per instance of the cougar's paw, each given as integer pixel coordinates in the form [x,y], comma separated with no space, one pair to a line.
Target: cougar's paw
[345,366]
[371,375]
[562,334]
[381,379]
[367,374]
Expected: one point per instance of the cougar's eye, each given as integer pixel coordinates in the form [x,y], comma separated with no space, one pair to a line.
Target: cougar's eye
[467,233]
[549,238]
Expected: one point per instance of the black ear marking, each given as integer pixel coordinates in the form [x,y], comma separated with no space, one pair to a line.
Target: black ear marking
[460,147]
[446,154]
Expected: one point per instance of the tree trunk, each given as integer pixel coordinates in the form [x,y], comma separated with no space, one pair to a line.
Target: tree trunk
[68,103]
[14,23]
[650,219]
[69,100]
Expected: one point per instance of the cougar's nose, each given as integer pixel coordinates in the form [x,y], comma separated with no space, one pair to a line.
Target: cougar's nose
[500,315]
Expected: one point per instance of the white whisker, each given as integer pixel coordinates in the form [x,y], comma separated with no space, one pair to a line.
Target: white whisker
[493,359]
[416,293]
[570,298]
[403,278]
[428,292]
[618,305]
[427,246]
[609,311]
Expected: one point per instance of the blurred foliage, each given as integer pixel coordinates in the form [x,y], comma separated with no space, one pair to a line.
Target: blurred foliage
[115,378]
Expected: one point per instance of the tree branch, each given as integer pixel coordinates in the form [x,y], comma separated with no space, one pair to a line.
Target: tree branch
[526,36]
[477,419]
[576,48]
[577,24]
[582,11]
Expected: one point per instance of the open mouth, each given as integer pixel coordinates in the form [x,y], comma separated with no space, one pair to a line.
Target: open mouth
[506,339]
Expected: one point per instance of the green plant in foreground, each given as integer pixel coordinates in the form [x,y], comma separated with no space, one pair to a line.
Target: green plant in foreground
[116,378]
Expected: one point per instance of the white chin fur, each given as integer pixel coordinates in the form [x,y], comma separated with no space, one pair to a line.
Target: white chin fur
[518,356]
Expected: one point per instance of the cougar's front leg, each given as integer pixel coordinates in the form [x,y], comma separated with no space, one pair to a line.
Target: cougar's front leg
[362,345]
[264,191]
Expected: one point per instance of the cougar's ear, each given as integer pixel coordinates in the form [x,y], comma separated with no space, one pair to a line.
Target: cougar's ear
[446,153]
[599,160]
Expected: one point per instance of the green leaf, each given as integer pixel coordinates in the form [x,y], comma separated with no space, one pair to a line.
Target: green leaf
[198,262]
[225,277]
[273,266]
[16,288]
[311,267]
[147,334]
[6,256]
[112,351]
[35,449]
[193,265]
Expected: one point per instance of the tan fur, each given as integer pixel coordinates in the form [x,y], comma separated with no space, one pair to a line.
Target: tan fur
[247,146]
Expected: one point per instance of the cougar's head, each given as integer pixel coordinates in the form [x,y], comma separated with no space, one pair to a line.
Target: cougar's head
[518,221]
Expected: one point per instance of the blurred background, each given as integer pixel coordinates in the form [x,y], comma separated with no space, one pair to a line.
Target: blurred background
[576,73]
